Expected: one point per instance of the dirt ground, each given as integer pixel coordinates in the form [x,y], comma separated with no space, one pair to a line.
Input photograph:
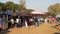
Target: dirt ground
[41,29]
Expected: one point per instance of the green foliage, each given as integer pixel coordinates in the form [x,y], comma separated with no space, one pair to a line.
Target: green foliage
[9,5]
[16,6]
[12,6]
[53,10]
[22,7]
[2,6]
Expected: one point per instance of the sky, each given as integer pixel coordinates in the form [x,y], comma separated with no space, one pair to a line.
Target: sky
[39,5]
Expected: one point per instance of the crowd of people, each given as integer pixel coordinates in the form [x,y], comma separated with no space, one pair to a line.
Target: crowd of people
[19,22]
[26,21]
[50,20]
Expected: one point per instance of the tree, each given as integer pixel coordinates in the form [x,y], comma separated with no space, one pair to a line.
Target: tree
[12,6]
[22,7]
[9,5]
[16,7]
[53,10]
[22,4]
[2,6]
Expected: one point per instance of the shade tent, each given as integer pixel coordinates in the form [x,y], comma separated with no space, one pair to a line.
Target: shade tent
[19,13]
[24,13]
[37,12]
[9,12]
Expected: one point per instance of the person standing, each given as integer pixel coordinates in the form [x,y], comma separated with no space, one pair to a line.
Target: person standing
[1,24]
[36,21]
[30,21]
[46,20]
[17,22]
[12,22]
[26,22]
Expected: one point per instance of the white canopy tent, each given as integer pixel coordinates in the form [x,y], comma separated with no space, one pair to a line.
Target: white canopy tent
[38,12]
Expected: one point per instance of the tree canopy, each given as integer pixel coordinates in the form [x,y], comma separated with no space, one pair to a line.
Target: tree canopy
[2,6]
[9,6]
[12,6]
[54,9]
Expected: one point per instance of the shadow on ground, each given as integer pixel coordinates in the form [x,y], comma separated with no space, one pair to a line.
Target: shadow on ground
[56,33]
[4,32]
[55,28]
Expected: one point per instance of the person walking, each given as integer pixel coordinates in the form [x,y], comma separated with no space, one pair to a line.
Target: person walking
[36,21]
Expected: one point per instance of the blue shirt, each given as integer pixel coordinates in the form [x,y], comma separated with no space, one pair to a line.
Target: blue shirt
[1,20]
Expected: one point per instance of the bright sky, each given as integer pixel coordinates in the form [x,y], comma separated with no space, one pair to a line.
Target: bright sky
[39,5]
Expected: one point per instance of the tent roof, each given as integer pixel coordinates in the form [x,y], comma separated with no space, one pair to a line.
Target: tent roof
[23,13]
[37,12]
[9,12]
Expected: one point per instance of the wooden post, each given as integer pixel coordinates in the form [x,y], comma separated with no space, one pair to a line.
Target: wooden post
[4,26]
[6,21]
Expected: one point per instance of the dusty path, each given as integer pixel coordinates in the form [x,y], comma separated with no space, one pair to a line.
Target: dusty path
[42,29]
